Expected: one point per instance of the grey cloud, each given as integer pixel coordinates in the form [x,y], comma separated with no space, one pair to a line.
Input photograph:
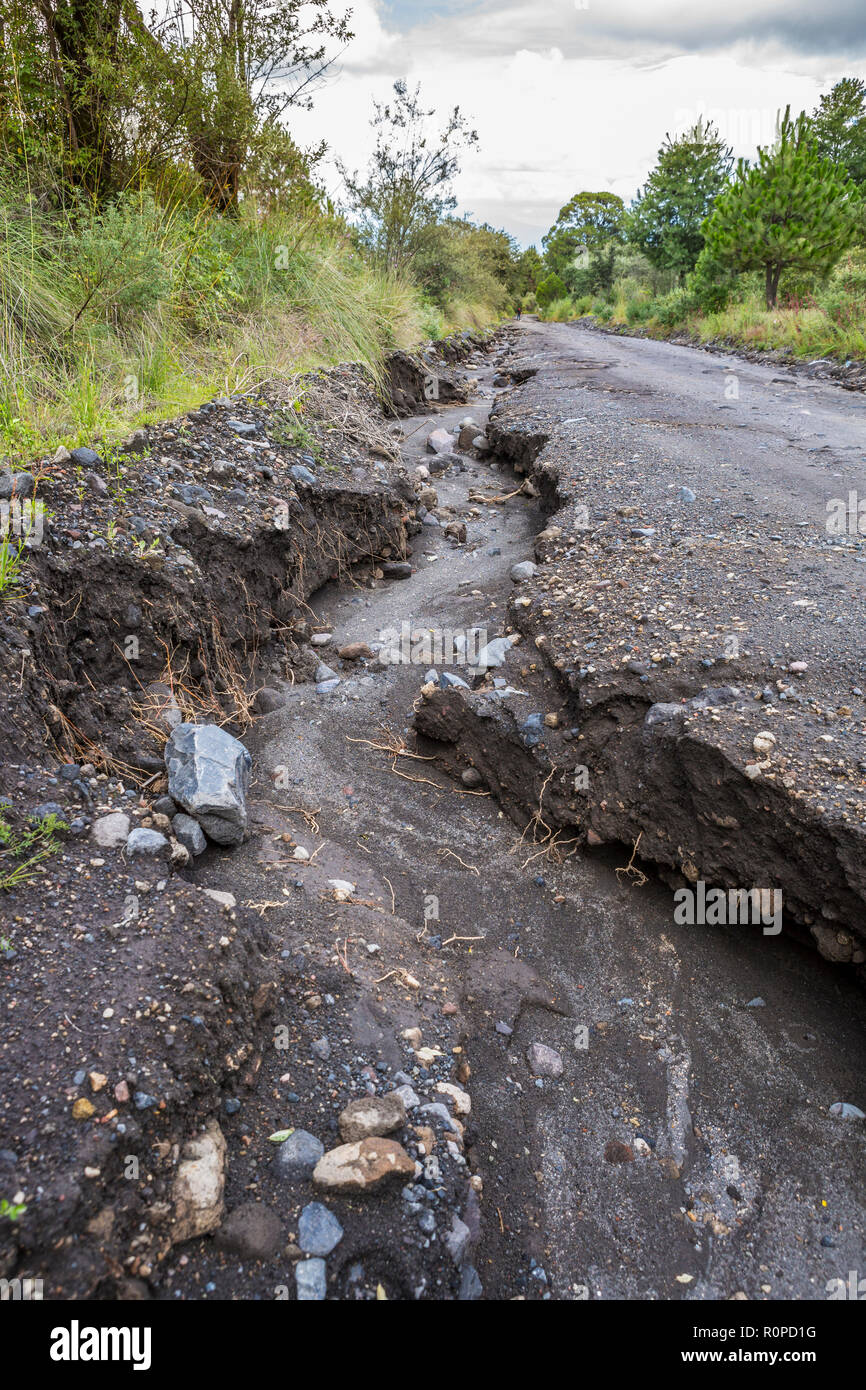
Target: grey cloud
[634,28]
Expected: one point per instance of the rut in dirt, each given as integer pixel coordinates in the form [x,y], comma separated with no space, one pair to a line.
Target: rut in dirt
[684,1148]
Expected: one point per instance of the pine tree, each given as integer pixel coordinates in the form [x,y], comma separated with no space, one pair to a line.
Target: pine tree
[792,210]
[839,127]
[669,211]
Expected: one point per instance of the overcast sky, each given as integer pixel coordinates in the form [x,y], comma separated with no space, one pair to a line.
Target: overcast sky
[578,94]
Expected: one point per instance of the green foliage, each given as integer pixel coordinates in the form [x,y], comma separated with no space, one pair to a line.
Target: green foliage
[11,559]
[550,289]
[839,127]
[111,314]
[455,260]
[589,220]
[407,187]
[528,270]
[794,209]
[31,846]
[713,282]
[667,216]
[111,98]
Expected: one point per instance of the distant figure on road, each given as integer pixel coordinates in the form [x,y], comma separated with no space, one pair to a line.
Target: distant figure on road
[518,311]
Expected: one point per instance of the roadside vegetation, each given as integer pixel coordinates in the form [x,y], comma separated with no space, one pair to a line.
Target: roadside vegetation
[162,236]
[768,254]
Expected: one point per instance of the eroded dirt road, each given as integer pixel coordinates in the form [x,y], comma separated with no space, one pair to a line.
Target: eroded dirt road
[687,1150]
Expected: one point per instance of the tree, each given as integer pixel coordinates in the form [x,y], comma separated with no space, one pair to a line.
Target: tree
[245,63]
[588,220]
[666,217]
[407,187]
[408,183]
[793,210]
[528,271]
[839,127]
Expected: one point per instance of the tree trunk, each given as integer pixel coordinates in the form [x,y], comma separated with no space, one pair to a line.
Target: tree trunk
[82,31]
[773,274]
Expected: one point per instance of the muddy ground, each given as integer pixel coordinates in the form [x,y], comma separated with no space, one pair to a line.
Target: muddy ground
[685,1150]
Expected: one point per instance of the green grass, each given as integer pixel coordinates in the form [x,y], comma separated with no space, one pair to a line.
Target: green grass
[808,329]
[22,851]
[138,312]
[11,559]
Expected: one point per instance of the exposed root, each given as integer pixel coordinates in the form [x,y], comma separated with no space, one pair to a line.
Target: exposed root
[636,876]
[451,855]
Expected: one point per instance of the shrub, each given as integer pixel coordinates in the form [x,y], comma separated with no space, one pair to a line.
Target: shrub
[550,289]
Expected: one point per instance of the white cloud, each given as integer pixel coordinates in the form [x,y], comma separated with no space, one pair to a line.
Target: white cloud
[565,98]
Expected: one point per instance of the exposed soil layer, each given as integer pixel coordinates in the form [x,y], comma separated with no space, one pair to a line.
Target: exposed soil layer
[133,1003]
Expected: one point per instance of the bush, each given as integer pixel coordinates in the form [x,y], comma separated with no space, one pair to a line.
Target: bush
[711,284]
[549,290]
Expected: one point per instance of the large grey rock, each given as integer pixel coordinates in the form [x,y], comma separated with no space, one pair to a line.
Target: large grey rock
[524,570]
[208,775]
[149,843]
[440,442]
[16,485]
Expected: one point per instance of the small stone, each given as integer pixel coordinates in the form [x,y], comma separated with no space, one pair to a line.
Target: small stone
[372,1115]
[311,1281]
[189,833]
[457,1239]
[524,570]
[845,1111]
[82,1109]
[84,457]
[321,1048]
[354,651]
[225,900]
[460,1101]
[252,1231]
[268,699]
[764,742]
[410,1099]
[363,1166]
[319,1231]
[543,1060]
[298,1155]
[617,1152]
[111,831]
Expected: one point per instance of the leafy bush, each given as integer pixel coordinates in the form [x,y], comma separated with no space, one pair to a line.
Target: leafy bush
[550,289]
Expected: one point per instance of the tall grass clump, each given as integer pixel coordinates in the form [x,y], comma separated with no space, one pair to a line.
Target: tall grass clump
[134,310]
